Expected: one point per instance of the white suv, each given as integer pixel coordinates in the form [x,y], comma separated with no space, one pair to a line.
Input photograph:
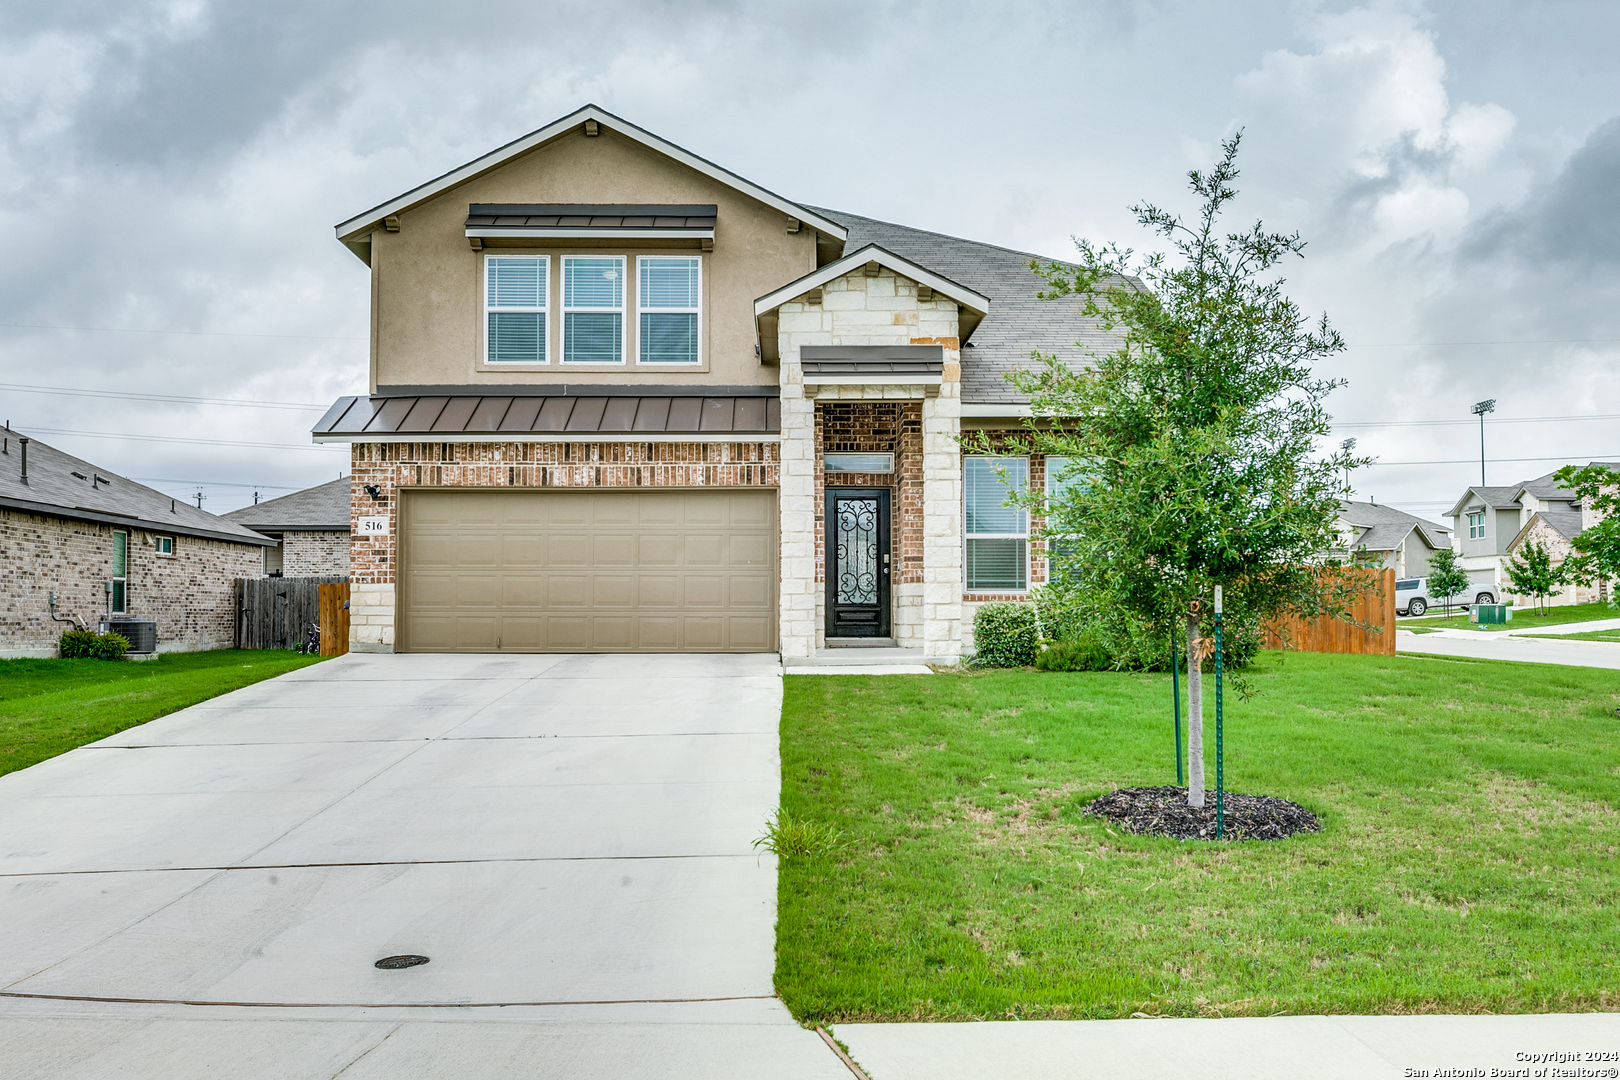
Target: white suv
[1412,596]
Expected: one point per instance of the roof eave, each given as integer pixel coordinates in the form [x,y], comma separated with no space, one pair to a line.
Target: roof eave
[130,522]
[350,231]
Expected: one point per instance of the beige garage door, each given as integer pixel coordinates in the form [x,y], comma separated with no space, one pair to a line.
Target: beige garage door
[587,571]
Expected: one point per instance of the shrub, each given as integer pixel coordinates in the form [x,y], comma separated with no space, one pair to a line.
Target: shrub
[1082,654]
[787,837]
[1004,634]
[87,644]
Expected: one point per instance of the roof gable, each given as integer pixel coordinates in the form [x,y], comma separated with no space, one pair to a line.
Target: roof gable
[350,231]
[963,295]
[323,508]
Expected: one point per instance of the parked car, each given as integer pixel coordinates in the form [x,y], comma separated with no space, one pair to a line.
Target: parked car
[1412,596]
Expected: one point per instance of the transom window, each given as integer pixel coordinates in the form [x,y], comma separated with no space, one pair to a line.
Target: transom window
[1476,526]
[593,309]
[997,535]
[515,294]
[669,291]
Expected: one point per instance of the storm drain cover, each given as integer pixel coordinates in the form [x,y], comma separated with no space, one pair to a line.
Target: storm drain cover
[390,963]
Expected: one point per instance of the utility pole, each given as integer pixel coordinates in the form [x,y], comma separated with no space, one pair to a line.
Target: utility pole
[1480,409]
[199,498]
[1347,446]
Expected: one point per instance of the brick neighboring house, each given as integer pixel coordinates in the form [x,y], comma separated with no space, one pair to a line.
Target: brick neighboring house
[1494,523]
[103,544]
[1386,537]
[622,399]
[311,528]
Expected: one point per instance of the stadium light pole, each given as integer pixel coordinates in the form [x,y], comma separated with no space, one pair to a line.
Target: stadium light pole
[1480,409]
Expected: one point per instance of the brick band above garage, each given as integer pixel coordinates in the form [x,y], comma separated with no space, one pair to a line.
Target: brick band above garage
[555,417]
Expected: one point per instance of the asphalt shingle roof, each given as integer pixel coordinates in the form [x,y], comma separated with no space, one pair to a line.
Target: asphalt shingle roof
[324,508]
[1384,527]
[1017,324]
[61,485]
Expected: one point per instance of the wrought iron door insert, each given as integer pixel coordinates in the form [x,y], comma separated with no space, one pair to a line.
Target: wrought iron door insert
[857,526]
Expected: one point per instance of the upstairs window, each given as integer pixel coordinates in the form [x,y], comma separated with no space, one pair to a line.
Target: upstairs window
[593,309]
[1476,526]
[515,295]
[669,309]
[997,535]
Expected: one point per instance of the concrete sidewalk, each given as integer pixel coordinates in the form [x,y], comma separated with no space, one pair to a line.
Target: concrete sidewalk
[1498,646]
[1269,1048]
[567,837]
[1564,628]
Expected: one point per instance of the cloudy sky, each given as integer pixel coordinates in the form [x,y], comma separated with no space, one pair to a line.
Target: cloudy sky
[172,172]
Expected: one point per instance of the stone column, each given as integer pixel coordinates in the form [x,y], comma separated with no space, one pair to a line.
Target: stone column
[796,597]
[942,518]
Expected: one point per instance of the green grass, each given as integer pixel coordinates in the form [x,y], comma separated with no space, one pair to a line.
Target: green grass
[1589,635]
[1522,617]
[1468,863]
[47,707]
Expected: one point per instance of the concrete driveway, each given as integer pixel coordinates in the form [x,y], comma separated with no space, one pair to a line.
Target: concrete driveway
[566,837]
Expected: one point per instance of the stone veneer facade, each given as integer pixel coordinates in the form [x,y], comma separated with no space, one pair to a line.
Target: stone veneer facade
[189,594]
[392,466]
[861,309]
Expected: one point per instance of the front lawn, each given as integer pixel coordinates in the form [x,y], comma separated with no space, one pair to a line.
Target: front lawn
[1471,812]
[47,707]
[1522,617]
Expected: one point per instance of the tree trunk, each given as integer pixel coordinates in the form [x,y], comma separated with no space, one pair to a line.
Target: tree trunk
[1195,717]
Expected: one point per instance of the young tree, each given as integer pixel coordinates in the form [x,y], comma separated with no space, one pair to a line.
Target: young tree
[1534,574]
[1597,547]
[1193,442]
[1446,578]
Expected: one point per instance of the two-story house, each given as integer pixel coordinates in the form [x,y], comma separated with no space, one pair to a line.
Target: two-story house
[622,399]
[1494,523]
[1385,537]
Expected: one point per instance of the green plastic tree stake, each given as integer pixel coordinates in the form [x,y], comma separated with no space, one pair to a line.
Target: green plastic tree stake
[1220,786]
[1175,699]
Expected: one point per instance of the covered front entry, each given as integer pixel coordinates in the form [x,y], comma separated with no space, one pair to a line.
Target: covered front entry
[858,563]
[587,570]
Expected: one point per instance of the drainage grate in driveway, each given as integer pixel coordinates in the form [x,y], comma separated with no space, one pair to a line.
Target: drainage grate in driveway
[392,963]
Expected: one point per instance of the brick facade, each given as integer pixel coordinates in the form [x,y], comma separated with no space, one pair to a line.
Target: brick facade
[391,466]
[314,554]
[189,594]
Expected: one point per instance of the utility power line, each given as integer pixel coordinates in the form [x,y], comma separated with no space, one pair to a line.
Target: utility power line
[1470,423]
[68,391]
[1505,341]
[183,333]
[212,483]
[1494,461]
[178,439]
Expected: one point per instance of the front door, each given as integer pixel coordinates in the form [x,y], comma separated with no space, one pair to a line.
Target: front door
[857,563]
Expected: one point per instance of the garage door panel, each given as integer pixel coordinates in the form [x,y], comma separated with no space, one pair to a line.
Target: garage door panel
[587,571]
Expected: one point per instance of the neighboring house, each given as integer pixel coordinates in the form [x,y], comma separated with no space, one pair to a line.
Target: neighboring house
[622,399]
[1385,537]
[102,546]
[311,528]
[1494,523]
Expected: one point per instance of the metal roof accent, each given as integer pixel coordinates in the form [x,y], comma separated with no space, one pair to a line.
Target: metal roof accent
[549,418]
[348,231]
[495,220]
[872,364]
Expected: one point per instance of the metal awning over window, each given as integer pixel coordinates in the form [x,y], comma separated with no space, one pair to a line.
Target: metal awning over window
[877,364]
[556,417]
[508,221]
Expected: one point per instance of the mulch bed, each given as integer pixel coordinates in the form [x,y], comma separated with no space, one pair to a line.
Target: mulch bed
[1163,811]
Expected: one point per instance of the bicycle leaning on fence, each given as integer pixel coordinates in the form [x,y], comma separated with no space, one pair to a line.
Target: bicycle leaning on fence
[312,643]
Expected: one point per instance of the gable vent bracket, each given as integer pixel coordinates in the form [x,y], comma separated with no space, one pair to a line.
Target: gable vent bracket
[793,224]
[592,128]
[813,296]
[925,293]
[873,268]
[391,223]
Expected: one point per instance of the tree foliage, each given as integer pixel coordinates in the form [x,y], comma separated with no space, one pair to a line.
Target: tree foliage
[1192,445]
[1534,575]
[1597,547]
[1446,578]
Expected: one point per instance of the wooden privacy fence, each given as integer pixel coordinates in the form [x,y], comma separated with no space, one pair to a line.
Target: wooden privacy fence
[1374,606]
[277,612]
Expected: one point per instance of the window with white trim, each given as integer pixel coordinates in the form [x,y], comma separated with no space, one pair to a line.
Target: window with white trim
[120,573]
[593,309]
[164,545]
[996,535]
[1476,526]
[516,288]
[1057,485]
[669,309]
